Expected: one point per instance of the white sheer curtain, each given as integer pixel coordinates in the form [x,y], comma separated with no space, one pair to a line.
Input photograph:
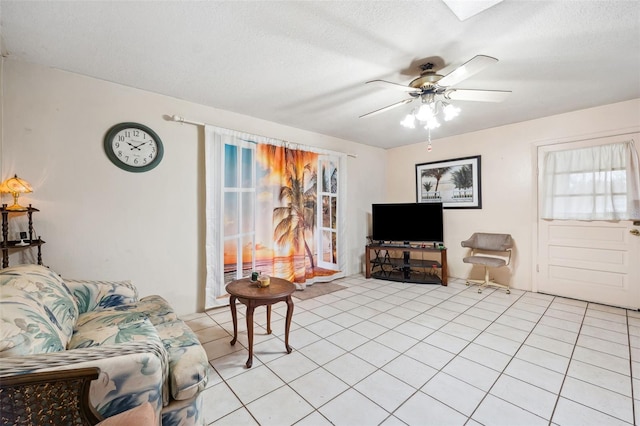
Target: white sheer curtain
[594,183]
[214,155]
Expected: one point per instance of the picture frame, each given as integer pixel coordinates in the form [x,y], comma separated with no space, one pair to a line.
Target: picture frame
[456,183]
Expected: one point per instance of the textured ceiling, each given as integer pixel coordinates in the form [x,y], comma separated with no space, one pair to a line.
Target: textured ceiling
[304,63]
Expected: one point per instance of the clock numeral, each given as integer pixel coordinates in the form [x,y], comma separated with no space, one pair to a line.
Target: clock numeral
[136,133]
[120,138]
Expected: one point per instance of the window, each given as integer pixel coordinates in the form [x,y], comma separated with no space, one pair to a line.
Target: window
[592,183]
[239,194]
[328,213]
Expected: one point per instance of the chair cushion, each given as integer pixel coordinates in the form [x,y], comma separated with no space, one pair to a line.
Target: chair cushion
[158,309]
[485,260]
[188,363]
[92,295]
[111,326]
[38,311]
[128,321]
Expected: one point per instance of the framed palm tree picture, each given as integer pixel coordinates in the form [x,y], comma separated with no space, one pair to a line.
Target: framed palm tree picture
[455,183]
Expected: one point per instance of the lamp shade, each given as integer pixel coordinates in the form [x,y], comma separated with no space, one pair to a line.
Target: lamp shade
[15,186]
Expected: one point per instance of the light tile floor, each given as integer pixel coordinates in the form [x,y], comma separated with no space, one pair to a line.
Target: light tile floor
[387,353]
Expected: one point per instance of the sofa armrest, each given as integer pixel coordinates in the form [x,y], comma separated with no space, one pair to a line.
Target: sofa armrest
[49,396]
[131,373]
[91,295]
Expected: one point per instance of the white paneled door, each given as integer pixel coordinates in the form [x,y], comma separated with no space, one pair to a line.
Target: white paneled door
[597,261]
[594,261]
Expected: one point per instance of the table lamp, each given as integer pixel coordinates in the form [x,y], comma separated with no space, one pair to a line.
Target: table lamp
[15,186]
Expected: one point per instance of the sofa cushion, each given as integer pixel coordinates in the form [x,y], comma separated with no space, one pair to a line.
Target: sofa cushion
[111,326]
[94,295]
[38,311]
[157,309]
[188,363]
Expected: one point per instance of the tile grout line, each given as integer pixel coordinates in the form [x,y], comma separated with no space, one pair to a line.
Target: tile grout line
[566,372]
[633,405]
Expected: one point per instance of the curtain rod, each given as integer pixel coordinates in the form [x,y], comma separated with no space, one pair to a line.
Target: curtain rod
[183,120]
[180,119]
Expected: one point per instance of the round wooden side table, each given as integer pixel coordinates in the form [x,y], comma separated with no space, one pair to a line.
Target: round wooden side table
[249,294]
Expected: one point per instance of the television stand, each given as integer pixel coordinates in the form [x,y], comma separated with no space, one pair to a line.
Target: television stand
[394,245]
[398,264]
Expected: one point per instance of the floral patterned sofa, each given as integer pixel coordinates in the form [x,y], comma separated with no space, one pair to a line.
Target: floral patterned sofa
[144,352]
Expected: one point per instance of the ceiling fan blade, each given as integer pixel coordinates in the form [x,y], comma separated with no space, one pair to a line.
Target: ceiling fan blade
[466,70]
[477,95]
[390,85]
[388,107]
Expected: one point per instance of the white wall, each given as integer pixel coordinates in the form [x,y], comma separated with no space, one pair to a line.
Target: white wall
[101,222]
[508,178]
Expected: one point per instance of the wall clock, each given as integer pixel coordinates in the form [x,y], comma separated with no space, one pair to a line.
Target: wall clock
[133,147]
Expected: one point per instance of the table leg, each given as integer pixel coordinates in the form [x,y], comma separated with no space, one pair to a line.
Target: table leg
[234,316]
[250,309]
[288,324]
[268,319]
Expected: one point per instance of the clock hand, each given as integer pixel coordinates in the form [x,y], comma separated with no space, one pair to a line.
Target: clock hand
[135,146]
[138,146]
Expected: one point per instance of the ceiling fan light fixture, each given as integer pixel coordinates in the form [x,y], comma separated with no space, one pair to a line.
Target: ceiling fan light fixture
[432,123]
[450,112]
[434,90]
[425,112]
[409,121]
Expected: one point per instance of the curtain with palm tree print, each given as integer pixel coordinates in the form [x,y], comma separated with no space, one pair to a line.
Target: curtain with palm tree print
[271,211]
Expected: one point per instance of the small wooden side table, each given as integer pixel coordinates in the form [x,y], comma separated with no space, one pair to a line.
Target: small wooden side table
[248,293]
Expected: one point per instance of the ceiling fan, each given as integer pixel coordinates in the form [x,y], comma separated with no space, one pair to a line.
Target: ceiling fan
[431,86]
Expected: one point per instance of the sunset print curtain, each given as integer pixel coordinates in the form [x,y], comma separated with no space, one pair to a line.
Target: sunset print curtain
[272,207]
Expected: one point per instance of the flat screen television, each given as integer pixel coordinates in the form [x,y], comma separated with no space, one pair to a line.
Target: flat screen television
[407,222]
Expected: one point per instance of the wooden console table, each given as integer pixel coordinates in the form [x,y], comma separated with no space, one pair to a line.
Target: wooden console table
[395,263]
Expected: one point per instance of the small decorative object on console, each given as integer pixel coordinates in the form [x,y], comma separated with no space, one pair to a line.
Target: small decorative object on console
[264,280]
